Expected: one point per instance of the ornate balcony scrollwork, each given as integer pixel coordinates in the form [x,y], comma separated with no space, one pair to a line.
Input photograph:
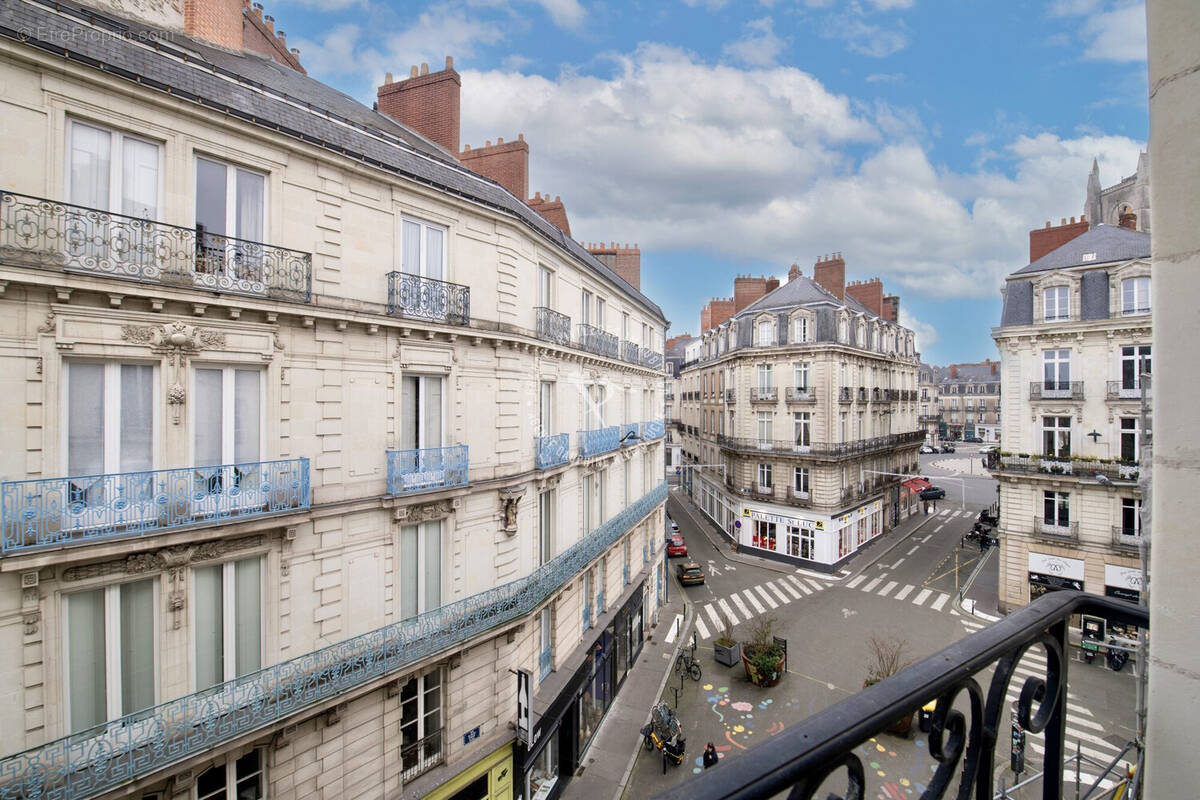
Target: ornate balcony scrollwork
[427,468]
[431,299]
[552,451]
[553,326]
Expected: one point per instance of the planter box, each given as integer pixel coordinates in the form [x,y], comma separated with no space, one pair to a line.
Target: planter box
[727,656]
[763,680]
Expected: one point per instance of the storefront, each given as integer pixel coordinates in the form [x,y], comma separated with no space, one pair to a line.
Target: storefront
[561,735]
[1048,573]
[1124,583]
[489,779]
[812,540]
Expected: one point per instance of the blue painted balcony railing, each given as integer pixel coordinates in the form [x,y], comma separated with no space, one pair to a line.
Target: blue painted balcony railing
[425,469]
[599,602]
[968,723]
[419,297]
[45,512]
[545,663]
[35,232]
[629,434]
[653,429]
[625,573]
[600,440]
[99,759]
[551,451]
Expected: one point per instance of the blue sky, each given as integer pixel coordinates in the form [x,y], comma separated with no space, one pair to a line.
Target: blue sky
[921,139]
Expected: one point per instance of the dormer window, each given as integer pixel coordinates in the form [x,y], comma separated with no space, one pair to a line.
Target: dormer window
[843,330]
[1056,301]
[1135,296]
[802,329]
[766,334]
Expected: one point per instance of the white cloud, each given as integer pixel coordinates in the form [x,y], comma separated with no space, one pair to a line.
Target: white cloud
[925,334]
[888,5]
[885,77]
[711,5]
[863,37]
[1109,30]
[565,13]
[758,47]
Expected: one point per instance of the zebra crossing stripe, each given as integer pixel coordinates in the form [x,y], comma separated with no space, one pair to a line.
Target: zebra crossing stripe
[783,598]
[886,590]
[749,595]
[920,598]
[817,585]
[701,629]
[712,614]
[728,612]
[788,586]
[855,581]
[799,584]
[905,592]
[871,586]
[737,601]
[765,596]
[941,601]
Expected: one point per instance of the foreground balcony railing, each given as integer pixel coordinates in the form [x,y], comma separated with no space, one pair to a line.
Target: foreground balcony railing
[800,394]
[36,232]
[1119,390]
[421,756]
[653,429]
[824,449]
[419,297]
[630,352]
[425,469]
[1067,532]
[598,441]
[90,762]
[1056,390]
[45,512]
[553,326]
[759,394]
[630,434]
[1083,467]
[552,451]
[1129,538]
[651,359]
[970,680]
[597,341]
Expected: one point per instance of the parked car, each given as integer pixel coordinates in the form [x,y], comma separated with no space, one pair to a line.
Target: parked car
[972,439]
[676,547]
[988,448]
[689,573]
[933,493]
[947,448]
[928,448]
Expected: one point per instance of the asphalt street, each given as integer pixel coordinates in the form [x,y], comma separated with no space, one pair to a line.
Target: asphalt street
[903,589]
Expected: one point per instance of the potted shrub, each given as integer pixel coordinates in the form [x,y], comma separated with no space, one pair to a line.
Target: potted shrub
[761,656]
[887,657]
[726,649]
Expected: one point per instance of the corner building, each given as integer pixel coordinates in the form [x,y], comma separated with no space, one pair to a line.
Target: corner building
[304,454]
[799,417]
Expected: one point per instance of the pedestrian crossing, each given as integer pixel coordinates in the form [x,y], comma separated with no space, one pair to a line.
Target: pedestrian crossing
[748,603]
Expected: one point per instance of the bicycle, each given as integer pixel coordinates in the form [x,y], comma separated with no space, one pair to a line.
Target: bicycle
[687,664]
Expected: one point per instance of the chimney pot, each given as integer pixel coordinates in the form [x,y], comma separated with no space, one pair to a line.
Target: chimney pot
[295,51]
[269,21]
[520,137]
[499,140]
[281,36]
[1083,217]
[424,67]
[412,72]
[1063,221]
[449,62]
[387,79]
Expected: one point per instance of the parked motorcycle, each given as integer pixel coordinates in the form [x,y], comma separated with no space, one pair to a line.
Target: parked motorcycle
[1116,658]
[664,733]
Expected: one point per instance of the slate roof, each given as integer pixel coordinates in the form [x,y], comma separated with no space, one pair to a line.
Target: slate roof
[1110,243]
[678,349]
[797,292]
[258,91]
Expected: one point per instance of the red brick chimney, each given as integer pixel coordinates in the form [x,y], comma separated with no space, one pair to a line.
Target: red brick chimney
[722,309]
[747,289]
[552,210]
[625,261]
[1044,240]
[794,272]
[259,36]
[507,163]
[891,308]
[427,102]
[216,21]
[953,370]
[830,272]
[869,293]
[1128,219]
[674,340]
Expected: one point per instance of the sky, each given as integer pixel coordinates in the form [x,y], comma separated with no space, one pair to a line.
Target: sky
[921,139]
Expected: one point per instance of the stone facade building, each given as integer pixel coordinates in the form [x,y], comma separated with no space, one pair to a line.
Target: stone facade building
[929,409]
[969,397]
[315,437]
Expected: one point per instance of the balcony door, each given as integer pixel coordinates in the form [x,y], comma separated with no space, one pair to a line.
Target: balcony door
[421,406]
[227,439]
[420,568]
[230,205]
[1056,373]
[228,621]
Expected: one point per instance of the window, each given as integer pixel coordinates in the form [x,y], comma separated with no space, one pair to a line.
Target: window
[228,416]
[765,381]
[110,428]
[1056,437]
[546,408]
[601,582]
[800,480]
[240,778]
[423,251]
[1056,302]
[228,618]
[1135,360]
[420,568]
[1056,373]
[545,526]
[802,430]
[600,309]
[1135,296]
[764,534]
[586,503]
[800,542]
[421,400]
[764,426]
[1056,513]
[230,202]
[1131,516]
[625,325]
[546,633]
[602,496]
[765,334]
[800,376]
[1130,438]
[764,477]
[420,724]
[585,307]
[545,287]
[843,330]
[587,599]
[802,329]
[110,652]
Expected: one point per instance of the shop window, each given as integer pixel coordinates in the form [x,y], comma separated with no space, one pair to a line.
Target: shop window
[543,775]
[764,534]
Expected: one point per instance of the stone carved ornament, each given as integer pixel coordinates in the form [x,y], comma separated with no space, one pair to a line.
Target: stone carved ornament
[166,558]
[176,340]
[425,512]
[510,497]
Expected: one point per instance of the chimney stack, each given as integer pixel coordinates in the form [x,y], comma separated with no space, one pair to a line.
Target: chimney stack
[625,261]
[830,273]
[428,103]
[794,272]
[1044,240]
[507,163]
[748,289]
[218,22]
[869,293]
[552,210]
[1128,219]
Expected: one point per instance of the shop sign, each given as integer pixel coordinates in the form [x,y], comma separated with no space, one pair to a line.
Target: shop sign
[471,735]
[1055,581]
[781,520]
[1123,577]
[523,679]
[1056,566]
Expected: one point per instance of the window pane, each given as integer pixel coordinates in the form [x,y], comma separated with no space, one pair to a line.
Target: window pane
[85,672]
[211,192]
[409,568]
[85,419]
[211,784]
[432,412]
[90,164]
[409,411]
[210,630]
[432,564]
[247,615]
[247,416]
[250,189]
[208,417]
[139,179]
[137,429]
[410,255]
[434,240]
[137,646]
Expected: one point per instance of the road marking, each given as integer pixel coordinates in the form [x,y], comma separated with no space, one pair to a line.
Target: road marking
[905,592]
[766,597]
[897,564]
[712,614]
[728,612]
[749,595]
[926,539]
[783,598]
[941,601]
[920,598]
[818,586]
[855,581]
[737,601]
[703,631]
[886,590]
[801,585]
[939,527]
[675,626]
[871,586]
[909,553]
[847,613]
[713,569]
[787,585]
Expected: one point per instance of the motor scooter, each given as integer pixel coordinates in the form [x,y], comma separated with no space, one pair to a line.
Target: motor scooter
[1116,658]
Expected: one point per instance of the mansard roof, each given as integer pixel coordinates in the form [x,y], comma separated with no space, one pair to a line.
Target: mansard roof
[1103,244]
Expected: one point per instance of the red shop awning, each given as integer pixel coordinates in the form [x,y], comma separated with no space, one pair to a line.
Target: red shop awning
[916,484]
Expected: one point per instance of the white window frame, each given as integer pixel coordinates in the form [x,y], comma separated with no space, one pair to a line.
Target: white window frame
[1140,356]
[764,331]
[802,431]
[231,173]
[765,478]
[764,428]
[230,789]
[1056,303]
[429,534]
[585,306]
[1056,362]
[111,411]
[1061,517]
[766,378]
[423,410]
[546,408]
[802,329]
[800,376]
[424,266]
[116,168]
[229,408]
[801,480]
[229,620]
[1135,295]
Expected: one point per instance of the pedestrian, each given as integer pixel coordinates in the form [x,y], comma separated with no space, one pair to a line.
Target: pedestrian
[710,755]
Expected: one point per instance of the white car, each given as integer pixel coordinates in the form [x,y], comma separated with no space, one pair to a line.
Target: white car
[987,448]
[928,448]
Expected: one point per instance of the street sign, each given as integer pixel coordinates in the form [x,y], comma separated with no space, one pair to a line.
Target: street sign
[1018,747]
[523,677]
[1093,630]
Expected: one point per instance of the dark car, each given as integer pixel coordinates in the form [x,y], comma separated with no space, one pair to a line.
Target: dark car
[933,493]
[689,573]
[676,547]
[947,448]
[972,439]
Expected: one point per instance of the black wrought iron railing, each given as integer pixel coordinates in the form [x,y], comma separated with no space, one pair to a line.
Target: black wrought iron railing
[36,232]
[597,341]
[553,326]
[1056,390]
[817,756]
[436,300]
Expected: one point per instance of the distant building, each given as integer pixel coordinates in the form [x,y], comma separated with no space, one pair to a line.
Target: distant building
[969,397]
[929,413]
[1129,196]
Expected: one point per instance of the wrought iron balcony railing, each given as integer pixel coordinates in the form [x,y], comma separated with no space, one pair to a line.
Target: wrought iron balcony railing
[552,451]
[1056,390]
[760,394]
[1047,529]
[799,498]
[862,394]
[597,341]
[553,326]
[427,468]
[46,512]
[970,680]
[822,449]
[653,429]
[93,761]
[800,394]
[435,300]
[630,433]
[630,352]
[845,394]
[929,417]
[419,757]
[1084,468]
[651,359]
[1120,390]
[36,232]
[729,395]
[1130,538]
[598,441]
